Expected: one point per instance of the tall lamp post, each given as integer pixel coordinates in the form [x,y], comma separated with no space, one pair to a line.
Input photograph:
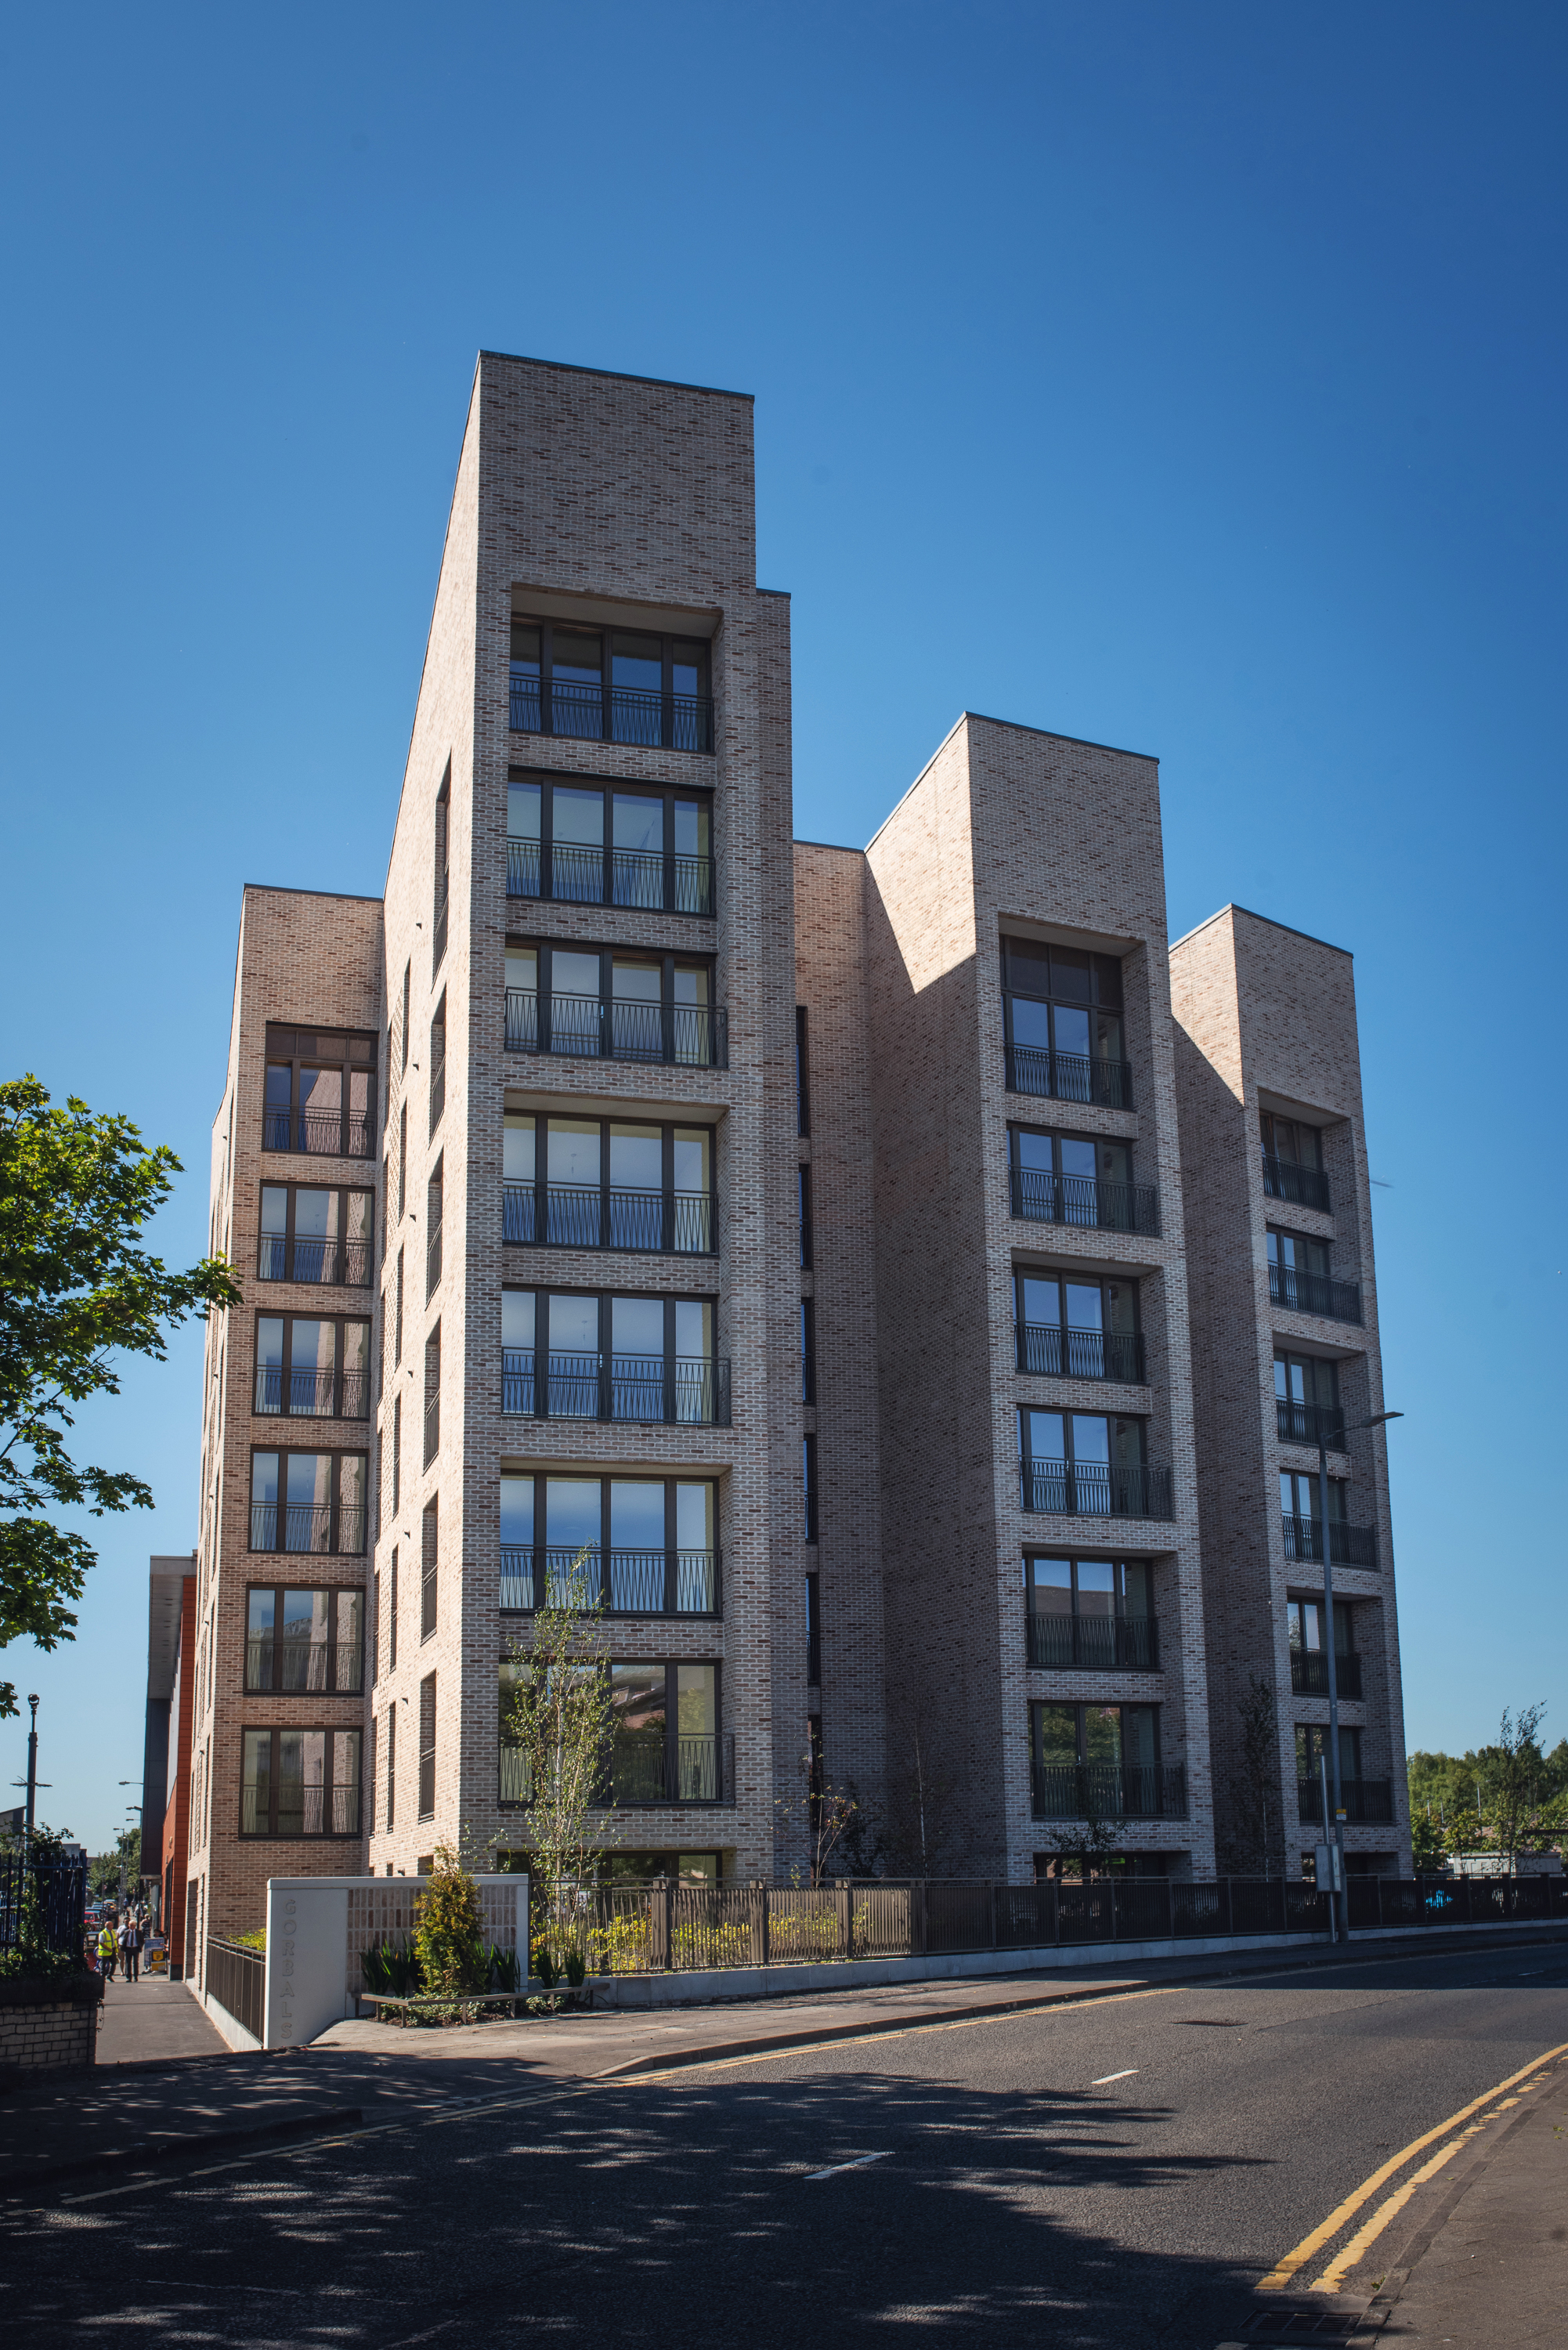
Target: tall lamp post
[1338,1910]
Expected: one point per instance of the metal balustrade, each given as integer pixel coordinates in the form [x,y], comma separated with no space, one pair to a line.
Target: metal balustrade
[622,1582]
[690,1036]
[1309,1672]
[297,1667]
[322,1133]
[582,711]
[1079,1791]
[1094,1643]
[344,1265]
[1314,1293]
[1369,1802]
[1047,1349]
[1350,1545]
[1306,1423]
[644,880]
[1304,1187]
[1043,1197]
[312,1394]
[317,1528]
[649,1772]
[687,1390]
[1068,1076]
[1092,1489]
[569,1215]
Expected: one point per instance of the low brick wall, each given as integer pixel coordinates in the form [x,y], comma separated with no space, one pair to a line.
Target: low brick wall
[48,2026]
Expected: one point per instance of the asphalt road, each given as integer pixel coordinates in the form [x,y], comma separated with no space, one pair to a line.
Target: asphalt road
[1020,2193]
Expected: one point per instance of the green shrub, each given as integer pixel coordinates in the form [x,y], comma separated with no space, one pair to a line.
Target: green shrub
[448,1921]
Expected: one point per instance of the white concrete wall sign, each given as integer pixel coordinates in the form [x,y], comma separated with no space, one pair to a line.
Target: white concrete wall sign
[306,1936]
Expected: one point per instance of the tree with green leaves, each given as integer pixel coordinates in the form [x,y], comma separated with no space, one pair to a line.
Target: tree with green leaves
[76,1291]
[1256,1844]
[558,1723]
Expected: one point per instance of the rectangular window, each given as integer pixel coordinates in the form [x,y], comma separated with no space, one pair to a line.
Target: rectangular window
[1293,1162]
[1100,1760]
[1300,1280]
[1077,1325]
[1062,1013]
[302,1643]
[402,1161]
[403,1030]
[370,1782]
[312,1367]
[309,1502]
[433,1191]
[808,1476]
[321,1092]
[392,1614]
[807,1350]
[392,1763]
[441,862]
[802,1074]
[648,1545]
[1312,1747]
[599,1182]
[582,842]
[427,1747]
[813,1631]
[397,1452]
[665,1744]
[806,1232]
[398,1311]
[1089,1464]
[610,686]
[614,1004]
[438,1063]
[1094,1614]
[299,1782]
[375,1628]
[1307,1400]
[316,1235]
[591,1355]
[1076,1178]
[428,1551]
[432,1395]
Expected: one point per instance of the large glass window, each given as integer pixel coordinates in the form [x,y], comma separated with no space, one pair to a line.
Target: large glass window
[603,844]
[302,1641]
[321,1092]
[602,1355]
[610,686]
[1076,1178]
[576,1182]
[612,1004]
[651,1544]
[1062,1019]
[1306,1400]
[310,1234]
[1087,1464]
[299,1782]
[1090,1612]
[1313,1748]
[1292,1161]
[1077,1325]
[1100,1760]
[310,1501]
[1300,1281]
[666,1740]
[312,1367]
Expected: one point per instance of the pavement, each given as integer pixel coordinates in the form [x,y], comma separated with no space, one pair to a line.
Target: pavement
[148,2021]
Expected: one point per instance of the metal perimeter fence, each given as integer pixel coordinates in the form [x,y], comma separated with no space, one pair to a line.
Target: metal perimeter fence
[60,1887]
[664,1927]
[236,1979]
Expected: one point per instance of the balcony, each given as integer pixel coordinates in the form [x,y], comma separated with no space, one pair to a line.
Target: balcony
[316,1528]
[642,879]
[1068,1076]
[320,1133]
[1303,1187]
[1086,1791]
[676,1390]
[312,1395]
[1311,1423]
[344,1265]
[622,1582]
[1095,1644]
[302,1667]
[1349,1546]
[1047,1351]
[1309,1672]
[1041,1198]
[690,1035]
[1368,1802]
[1314,1293]
[644,1771]
[1092,1489]
[569,1215]
[610,713]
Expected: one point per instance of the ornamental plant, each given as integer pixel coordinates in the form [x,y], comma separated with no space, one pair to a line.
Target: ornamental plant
[449,1939]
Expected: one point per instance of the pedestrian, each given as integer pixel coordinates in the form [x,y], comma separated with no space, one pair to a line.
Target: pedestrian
[106,1951]
[131,1947]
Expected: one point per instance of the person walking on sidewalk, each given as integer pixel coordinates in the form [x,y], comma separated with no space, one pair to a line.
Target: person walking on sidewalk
[131,1947]
[106,1951]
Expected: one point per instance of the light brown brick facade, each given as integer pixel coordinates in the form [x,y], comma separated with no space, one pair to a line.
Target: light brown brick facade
[609,503]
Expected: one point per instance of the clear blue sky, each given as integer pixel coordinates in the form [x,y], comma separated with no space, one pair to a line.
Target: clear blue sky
[1188,378]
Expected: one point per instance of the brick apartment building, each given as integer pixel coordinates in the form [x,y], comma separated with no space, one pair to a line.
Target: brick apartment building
[805,1231]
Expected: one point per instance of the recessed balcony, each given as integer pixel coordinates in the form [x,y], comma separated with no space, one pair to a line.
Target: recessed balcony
[654,1771]
[1079,1791]
[582,711]
[1304,1187]
[1314,1293]
[587,1027]
[1049,1351]
[675,1390]
[1309,1424]
[642,880]
[1366,1802]
[1309,1672]
[1041,1197]
[1096,1490]
[1349,1546]
[1053,1075]
[1063,1643]
[581,1215]
[621,1582]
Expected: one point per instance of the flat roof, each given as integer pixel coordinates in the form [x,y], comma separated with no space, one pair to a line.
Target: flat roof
[288,890]
[1289,928]
[1086,741]
[616,375]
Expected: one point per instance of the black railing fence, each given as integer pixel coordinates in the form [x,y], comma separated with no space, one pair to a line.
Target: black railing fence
[1368,1801]
[1306,1423]
[343,1263]
[1309,1672]
[1047,1348]
[1068,1076]
[1348,1545]
[678,1391]
[685,1035]
[1314,1293]
[642,879]
[312,1394]
[643,1770]
[1085,1791]
[57,1885]
[586,713]
[1304,1187]
[1096,1643]
[623,1581]
[236,1979]
[311,1526]
[573,1215]
[1044,1198]
[324,1133]
[1092,1490]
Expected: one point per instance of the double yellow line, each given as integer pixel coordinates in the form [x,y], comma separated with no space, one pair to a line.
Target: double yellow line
[1343,2261]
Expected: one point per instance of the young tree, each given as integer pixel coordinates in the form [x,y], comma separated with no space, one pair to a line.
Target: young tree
[1090,1842]
[76,1291]
[449,1927]
[560,1719]
[1524,1816]
[1257,1843]
[924,1796]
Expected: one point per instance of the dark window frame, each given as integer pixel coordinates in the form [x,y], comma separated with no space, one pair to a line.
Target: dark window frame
[688,884]
[272,1833]
[427,1788]
[297,1049]
[530,1213]
[671,1761]
[1118,1357]
[274,1248]
[1102,1078]
[340,1405]
[526,1567]
[524,1395]
[809,1485]
[430,1566]
[808,1229]
[532,1025]
[573,712]
[338,1508]
[334,1647]
[1111,1203]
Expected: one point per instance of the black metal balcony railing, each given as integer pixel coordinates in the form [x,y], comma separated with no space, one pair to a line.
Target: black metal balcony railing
[1304,1187]
[692,1035]
[1079,1791]
[317,1528]
[343,1263]
[313,1395]
[1370,1800]
[1350,1545]
[322,1133]
[1094,1643]
[1046,1198]
[642,879]
[585,713]
[623,1581]
[1309,1672]
[1047,1348]
[675,1223]
[651,1773]
[1068,1076]
[298,1668]
[1314,1293]
[1091,1490]
[1304,1423]
[679,1390]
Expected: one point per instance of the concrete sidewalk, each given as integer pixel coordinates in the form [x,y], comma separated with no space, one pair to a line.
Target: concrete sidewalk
[147,2023]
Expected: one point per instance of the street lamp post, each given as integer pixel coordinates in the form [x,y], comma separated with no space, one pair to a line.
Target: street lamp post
[1338,1904]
